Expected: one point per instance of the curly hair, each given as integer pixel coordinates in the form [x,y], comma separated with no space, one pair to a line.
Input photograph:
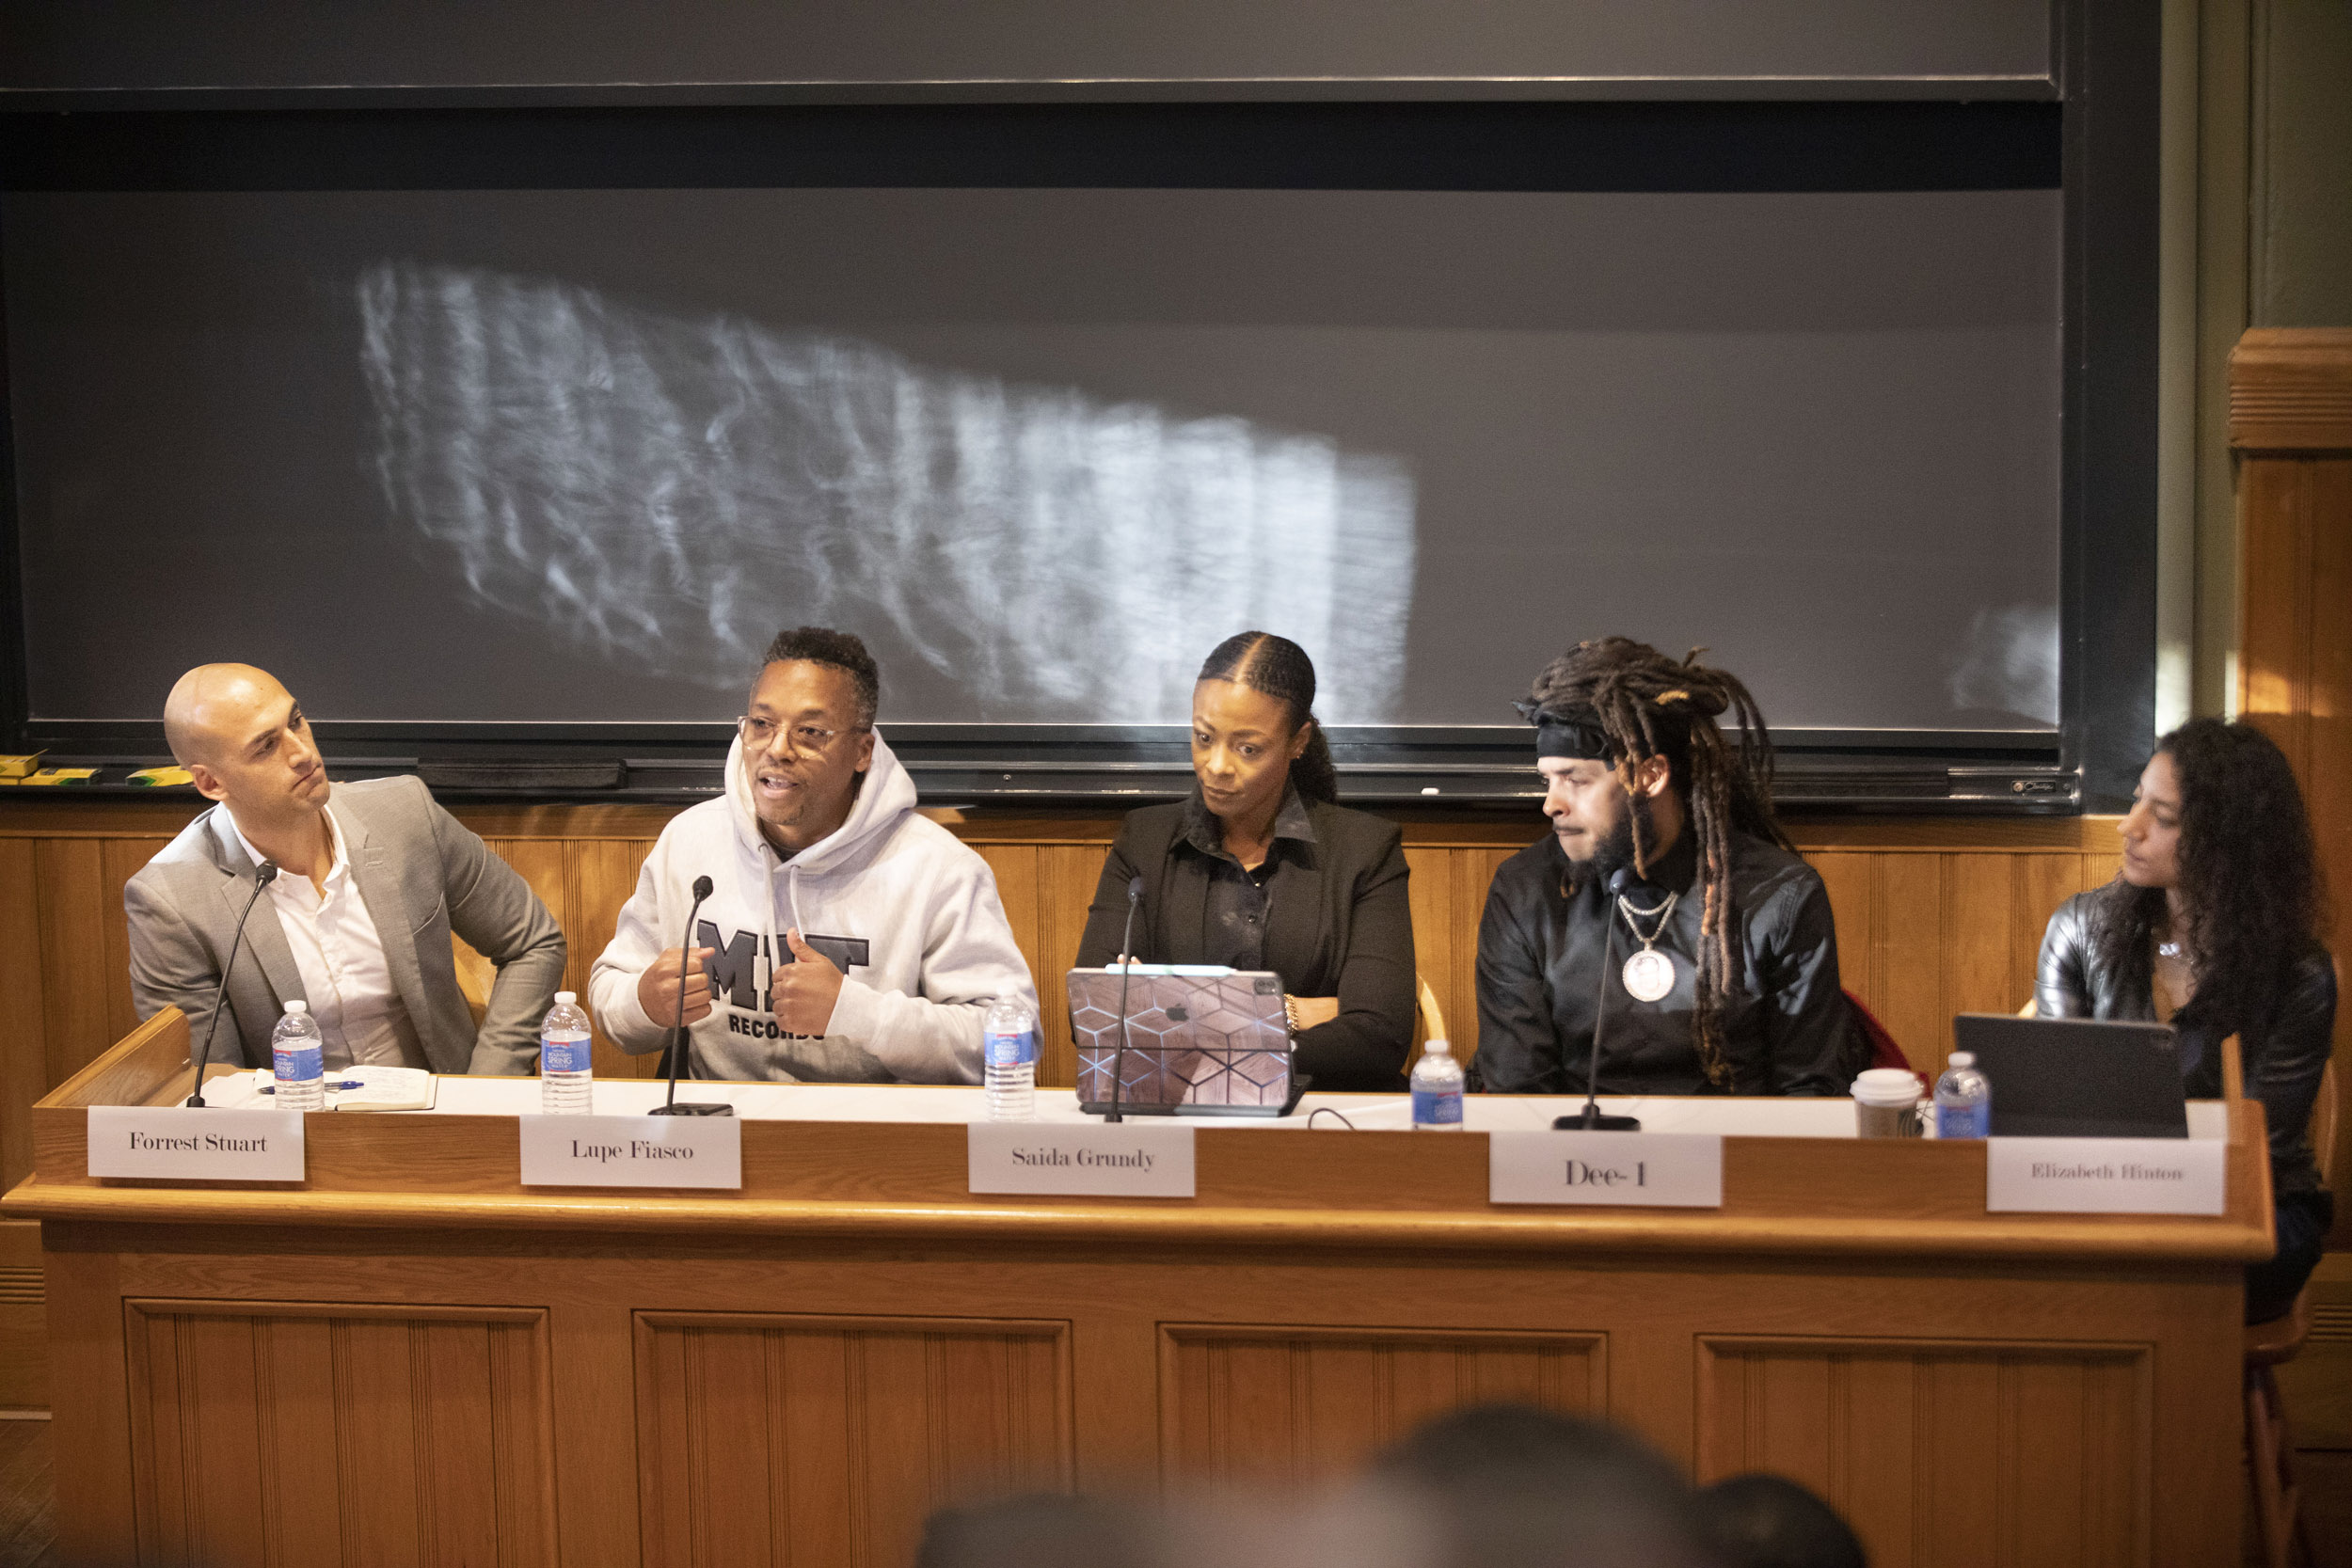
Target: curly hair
[840,650]
[2251,899]
[1645,705]
[1280,669]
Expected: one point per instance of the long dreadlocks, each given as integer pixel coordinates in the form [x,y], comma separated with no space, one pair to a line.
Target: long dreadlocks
[1632,703]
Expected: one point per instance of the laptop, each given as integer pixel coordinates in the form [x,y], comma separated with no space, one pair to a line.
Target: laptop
[2077,1077]
[1200,1041]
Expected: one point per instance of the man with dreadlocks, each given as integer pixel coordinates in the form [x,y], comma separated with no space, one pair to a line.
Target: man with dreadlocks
[1665,895]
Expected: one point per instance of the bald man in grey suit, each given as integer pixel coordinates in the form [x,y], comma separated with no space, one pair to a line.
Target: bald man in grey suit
[371,879]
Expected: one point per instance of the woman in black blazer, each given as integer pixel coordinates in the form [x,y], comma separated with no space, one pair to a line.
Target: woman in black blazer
[2212,926]
[1260,869]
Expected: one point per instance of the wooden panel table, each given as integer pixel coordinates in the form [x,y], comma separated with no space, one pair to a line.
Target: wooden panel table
[410,1357]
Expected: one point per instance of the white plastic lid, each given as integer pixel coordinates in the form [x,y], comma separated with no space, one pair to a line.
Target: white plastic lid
[567,997]
[297,1005]
[1961,1059]
[1436,1048]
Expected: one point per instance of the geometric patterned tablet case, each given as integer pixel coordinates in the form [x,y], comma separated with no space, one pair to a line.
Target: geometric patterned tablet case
[1201,1044]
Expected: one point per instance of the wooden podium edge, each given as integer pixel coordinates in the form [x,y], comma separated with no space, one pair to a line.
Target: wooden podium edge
[1581,1236]
[1258,1189]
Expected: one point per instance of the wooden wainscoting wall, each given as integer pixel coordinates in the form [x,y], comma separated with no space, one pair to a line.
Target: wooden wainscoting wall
[2291,431]
[1935,916]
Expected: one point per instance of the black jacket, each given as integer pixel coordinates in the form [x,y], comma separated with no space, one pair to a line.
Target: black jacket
[1787,1030]
[2284,1054]
[1338,924]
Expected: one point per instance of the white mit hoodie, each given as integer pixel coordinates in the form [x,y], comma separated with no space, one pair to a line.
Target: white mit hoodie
[907,913]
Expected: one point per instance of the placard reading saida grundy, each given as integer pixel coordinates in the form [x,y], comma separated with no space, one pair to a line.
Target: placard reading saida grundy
[1128,1159]
[632,1151]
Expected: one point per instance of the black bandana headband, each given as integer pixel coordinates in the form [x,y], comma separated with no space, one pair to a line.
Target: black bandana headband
[1577,742]
[1577,737]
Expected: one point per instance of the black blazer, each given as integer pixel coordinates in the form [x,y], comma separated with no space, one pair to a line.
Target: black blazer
[1338,924]
[2284,1055]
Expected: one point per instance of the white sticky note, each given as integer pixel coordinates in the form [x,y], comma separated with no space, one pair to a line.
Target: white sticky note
[2104,1176]
[632,1151]
[1128,1159]
[1665,1170]
[183,1143]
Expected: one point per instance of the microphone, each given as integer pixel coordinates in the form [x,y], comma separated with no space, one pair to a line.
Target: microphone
[1126,975]
[670,1107]
[265,875]
[1591,1120]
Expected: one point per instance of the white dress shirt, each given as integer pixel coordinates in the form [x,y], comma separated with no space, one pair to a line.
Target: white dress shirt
[346,981]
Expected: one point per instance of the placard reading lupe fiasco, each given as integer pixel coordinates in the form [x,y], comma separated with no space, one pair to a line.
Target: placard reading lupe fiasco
[631,1151]
[189,1143]
[1667,1170]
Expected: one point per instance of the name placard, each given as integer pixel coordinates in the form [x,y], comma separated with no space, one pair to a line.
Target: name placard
[632,1151]
[1666,1170]
[183,1143]
[2104,1176]
[1129,1159]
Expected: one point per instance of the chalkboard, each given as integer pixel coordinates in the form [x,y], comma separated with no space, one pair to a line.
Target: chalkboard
[571,456]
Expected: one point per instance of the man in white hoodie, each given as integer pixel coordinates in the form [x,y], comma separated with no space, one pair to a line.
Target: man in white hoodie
[891,941]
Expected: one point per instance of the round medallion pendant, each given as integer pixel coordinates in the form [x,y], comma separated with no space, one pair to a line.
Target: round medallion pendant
[1649,975]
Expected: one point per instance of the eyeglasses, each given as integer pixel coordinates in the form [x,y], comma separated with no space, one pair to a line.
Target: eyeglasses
[758,733]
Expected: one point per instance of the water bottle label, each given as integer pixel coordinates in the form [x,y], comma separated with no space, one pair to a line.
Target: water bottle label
[1437,1107]
[1964,1121]
[559,1055]
[296,1063]
[1014,1049]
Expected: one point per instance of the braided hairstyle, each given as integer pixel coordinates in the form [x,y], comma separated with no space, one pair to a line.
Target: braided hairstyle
[1280,669]
[1638,703]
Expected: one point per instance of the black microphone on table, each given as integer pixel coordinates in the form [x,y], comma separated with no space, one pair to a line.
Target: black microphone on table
[1126,972]
[1590,1119]
[671,1107]
[264,875]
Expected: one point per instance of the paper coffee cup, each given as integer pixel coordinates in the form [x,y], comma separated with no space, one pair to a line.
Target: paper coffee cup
[1886,1104]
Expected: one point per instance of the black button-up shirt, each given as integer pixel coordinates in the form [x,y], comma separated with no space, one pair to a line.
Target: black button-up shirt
[1542,979]
[1239,898]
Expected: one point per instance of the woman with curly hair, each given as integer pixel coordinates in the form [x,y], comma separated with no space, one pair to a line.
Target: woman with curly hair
[2212,926]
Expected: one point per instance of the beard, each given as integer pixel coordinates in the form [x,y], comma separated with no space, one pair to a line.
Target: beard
[1614,850]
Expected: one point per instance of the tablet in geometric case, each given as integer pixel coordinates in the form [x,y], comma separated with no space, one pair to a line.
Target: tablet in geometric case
[1204,1044]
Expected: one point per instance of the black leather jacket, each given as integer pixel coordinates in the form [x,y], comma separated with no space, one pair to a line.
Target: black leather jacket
[1787,1030]
[2283,1058]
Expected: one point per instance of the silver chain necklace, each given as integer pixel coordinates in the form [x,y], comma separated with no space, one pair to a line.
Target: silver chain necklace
[1649,975]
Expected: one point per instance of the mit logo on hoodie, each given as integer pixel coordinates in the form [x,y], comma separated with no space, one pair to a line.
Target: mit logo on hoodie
[741,965]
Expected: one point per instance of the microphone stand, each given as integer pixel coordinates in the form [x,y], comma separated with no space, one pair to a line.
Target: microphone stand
[1590,1119]
[1126,975]
[678,1047]
[264,875]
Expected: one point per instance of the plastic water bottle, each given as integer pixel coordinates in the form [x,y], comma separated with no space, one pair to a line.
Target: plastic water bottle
[567,1077]
[1437,1090]
[1008,1044]
[297,1053]
[1964,1100]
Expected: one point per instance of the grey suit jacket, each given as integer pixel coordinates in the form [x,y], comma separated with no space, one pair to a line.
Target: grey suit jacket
[422,875]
